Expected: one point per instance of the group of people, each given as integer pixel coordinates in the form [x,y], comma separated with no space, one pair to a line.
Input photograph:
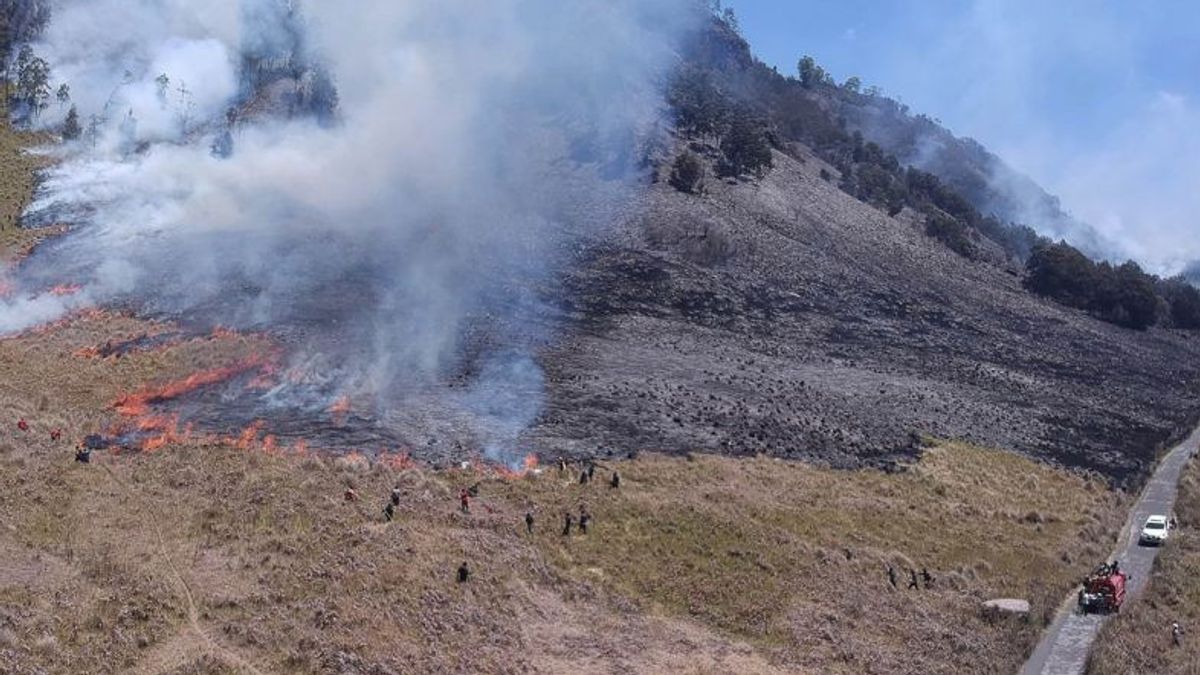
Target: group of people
[588,473]
[582,522]
[83,453]
[913,581]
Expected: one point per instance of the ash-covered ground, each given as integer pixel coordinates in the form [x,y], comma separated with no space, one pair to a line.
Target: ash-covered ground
[784,317]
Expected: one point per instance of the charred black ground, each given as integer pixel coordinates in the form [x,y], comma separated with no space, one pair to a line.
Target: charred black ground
[784,317]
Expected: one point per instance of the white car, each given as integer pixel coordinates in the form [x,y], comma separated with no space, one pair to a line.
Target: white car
[1154,532]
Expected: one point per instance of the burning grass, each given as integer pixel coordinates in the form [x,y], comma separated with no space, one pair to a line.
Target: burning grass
[752,563]
[1138,640]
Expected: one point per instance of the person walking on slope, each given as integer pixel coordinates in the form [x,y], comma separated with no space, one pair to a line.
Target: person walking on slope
[912,581]
[529,522]
[1176,634]
[464,573]
[389,512]
[892,576]
[465,499]
[584,519]
[616,480]
[568,521]
[396,496]
[926,577]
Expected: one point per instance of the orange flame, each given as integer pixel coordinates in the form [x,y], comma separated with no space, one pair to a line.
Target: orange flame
[528,465]
[136,404]
[340,409]
[65,289]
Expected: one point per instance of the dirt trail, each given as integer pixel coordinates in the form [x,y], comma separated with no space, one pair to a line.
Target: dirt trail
[1067,643]
[180,647]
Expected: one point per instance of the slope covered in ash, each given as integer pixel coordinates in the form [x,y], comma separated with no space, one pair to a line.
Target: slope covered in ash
[783,316]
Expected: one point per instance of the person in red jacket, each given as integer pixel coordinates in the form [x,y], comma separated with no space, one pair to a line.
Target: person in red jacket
[465,498]
[22,424]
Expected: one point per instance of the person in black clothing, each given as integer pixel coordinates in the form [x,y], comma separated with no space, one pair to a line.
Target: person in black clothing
[396,496]
[529,521]
[584,519]
[464,573]
[583,477]
[389,512]
[568,521]
[912,581]
[616,480]
[83,454]
[591,469]
[892,575]
[926,577]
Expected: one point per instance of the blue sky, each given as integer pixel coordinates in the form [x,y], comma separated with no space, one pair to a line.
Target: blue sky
[1098,101]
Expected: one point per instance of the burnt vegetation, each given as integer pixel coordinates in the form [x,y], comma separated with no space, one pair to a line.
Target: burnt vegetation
[741,109]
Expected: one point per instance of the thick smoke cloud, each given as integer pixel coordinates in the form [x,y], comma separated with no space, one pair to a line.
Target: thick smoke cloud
[474,141]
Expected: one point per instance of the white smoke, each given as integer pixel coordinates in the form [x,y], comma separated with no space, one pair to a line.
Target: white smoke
[475,139]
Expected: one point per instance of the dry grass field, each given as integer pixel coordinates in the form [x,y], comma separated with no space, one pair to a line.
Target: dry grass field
[203,557]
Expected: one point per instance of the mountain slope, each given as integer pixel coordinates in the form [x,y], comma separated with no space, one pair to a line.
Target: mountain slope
[783,316]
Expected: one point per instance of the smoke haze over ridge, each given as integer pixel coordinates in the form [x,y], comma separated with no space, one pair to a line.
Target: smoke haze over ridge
[473,141]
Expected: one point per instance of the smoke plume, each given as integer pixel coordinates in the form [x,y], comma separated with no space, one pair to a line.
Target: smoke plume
[395,243]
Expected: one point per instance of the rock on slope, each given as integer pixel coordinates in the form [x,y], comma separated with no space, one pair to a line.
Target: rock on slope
[783,316]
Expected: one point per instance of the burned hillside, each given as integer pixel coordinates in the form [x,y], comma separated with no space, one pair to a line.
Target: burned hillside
[783,316]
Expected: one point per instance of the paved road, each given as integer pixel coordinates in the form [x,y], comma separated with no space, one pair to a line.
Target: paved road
[1064,647]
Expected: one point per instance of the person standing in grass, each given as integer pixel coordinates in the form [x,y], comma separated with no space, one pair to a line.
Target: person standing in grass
[584,519]
[1176,634]
[892,576]
[464,573]
[912,579]
[529,522]
[568,521]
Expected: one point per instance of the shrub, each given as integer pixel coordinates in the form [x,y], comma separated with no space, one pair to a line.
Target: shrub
[745,147]
[1183,302]
[1061,272]
[687,173]
[952,233]
[71,129]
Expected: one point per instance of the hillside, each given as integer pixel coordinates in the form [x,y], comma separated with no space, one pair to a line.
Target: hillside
[809,364]
[783,316]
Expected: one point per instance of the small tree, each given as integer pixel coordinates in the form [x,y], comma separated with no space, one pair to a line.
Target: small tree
[731,20]
[94,124]
[33,81]
[745,147]
[687,173]
[71,129]
[852,85]
[810,73]
[163,83]
[63,95]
